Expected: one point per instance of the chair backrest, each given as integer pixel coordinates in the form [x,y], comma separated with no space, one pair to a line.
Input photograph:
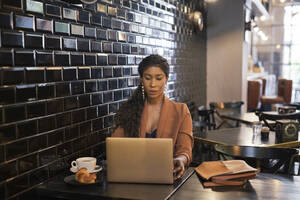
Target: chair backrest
[285,89]
[192,108]
[207,118]
[274,116]
[244,152]
[254,94]
[233,107]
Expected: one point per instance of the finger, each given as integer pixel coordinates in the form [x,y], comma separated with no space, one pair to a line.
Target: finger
[180,174]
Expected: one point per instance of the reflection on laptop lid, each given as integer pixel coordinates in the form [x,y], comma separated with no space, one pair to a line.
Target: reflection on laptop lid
[139,160]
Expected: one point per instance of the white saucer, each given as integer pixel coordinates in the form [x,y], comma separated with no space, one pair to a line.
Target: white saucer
[97,169]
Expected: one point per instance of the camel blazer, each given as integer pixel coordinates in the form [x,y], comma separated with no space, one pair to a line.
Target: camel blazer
[175,122]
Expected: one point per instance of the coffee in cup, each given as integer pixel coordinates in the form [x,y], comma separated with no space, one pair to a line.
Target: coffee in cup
[265,133]
[84,162]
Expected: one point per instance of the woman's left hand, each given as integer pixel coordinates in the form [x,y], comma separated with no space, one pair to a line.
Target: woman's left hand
[179,163]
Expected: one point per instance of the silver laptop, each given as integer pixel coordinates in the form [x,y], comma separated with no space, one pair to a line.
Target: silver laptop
[139,160]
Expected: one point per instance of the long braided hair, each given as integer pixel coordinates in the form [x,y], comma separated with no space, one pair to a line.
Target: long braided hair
[129,115]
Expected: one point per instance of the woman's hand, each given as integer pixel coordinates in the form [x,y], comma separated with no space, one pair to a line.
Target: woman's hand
[179,163]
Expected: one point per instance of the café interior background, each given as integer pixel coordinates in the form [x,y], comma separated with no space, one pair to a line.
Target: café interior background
[65,70]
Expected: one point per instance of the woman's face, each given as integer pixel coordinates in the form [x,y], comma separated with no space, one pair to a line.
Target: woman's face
[154,80]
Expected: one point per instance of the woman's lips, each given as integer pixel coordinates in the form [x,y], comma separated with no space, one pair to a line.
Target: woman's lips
[152,92]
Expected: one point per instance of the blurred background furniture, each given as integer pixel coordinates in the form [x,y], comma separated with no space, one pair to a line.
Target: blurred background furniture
[228,108]
[259,156]
[255,91]
[266,117]
[284,94]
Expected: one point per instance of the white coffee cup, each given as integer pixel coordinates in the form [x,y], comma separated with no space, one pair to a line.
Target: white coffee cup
[84,162]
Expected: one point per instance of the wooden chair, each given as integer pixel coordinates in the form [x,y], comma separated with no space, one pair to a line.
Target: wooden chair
[273,117]
[279,156]
[229,108]
[284,94]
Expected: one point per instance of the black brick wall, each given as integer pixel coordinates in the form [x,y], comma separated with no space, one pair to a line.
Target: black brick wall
[65,70]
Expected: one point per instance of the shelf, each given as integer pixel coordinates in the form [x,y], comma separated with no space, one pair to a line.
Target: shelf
[259,9]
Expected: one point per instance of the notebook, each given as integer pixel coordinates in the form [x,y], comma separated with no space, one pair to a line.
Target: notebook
[139,160]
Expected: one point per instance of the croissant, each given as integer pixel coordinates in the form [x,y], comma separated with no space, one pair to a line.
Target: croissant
[82,176]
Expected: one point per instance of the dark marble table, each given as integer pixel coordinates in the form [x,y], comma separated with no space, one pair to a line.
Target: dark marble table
[242,136]
[264,187]
[57,189]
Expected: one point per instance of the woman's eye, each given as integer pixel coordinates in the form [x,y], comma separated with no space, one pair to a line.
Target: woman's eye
[147,78]
[159,79]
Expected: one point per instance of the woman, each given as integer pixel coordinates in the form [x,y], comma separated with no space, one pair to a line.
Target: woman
[149,113]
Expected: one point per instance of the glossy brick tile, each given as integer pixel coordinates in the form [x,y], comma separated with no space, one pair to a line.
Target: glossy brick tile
[45,91]
[126,3]
[72,132]
[117,24]
[117,47]
[16,149]
[91,112]
[44,58]
[35,75]
[126,27]
[44,25]
[90,86]
[61,59]
[96,98]
[106,22]
[85,128]
[107,47]
[55,106]
[55,137]
[23,22]
[107,72]
[53,74]
[102,85]
[53,10]
[14,113]
[36,177]
[96,72]
[27,163]
[96,19]
[27,128]
[69,43]
[78,116]
[96,46]
[84,100]
[112,59]
[63,119]
[101,34]
[84,16]
[83,45]
[69,13]
[8,133]
[47,156]
[90,32]
[76,59]
[97,124]
[84,73]
[6,58]
[112,11]
[70,103]
[62,28]
[103,110]
[102,8]
[52,42]
[1,156]
[126,49]
[90,59]
[8,170]
[34,6]
[63,89]
[113,84]
[46,124]
[118,95]
[77,87]
[7,95]
[77,30]
[122,83]
[107,97]
[13,76]
[5,20]
[69,74]
[12,39]
[25,93]
[113,107]
[122,60]
[17,185]
[24,58]
[112,35]
[33,41]
[121,13]
[102,59]
[117,71]
[37,143]
[36,109]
